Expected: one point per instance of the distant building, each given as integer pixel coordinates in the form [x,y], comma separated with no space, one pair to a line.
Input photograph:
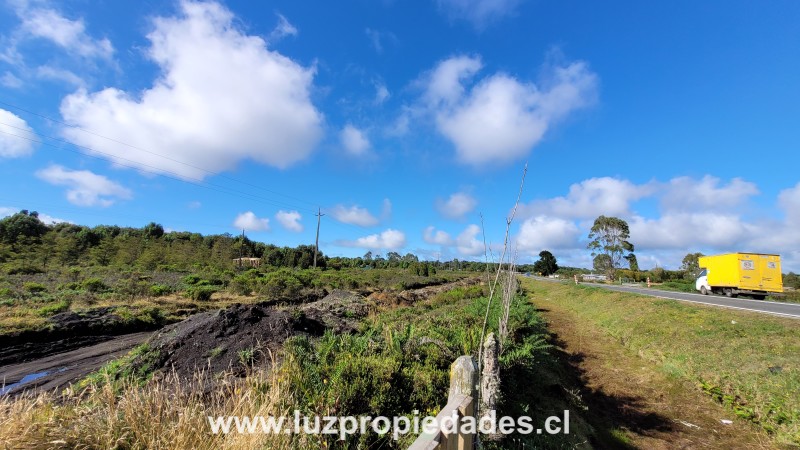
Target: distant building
[594,277]
[247,262]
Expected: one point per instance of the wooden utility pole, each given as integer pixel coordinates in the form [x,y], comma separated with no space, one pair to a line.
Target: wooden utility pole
[316,242]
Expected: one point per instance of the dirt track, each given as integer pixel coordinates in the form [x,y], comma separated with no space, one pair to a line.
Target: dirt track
[57,371]
[627,393]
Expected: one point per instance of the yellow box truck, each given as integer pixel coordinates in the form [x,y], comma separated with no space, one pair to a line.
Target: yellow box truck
[732,274]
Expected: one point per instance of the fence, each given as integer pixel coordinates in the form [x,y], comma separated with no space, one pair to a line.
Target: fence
[461,399]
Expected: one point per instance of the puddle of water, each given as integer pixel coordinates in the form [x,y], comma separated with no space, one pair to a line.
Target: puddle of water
[27,379]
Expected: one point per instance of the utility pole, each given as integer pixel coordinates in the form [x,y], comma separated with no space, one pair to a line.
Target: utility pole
[316,243]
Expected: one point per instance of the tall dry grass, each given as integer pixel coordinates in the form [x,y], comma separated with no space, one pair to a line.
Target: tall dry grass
[167,413]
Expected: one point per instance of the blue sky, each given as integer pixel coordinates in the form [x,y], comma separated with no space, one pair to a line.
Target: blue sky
[406,121]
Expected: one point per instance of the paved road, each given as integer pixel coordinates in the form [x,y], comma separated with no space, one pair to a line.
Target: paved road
[775,308]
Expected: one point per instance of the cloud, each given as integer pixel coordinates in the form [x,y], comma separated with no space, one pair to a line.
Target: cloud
[689,230]
[85,188]
[381,93]
[376,38]
[221,97]
[386,240]
[356,215]
[590,198]
[195,204]
[63,75]
[353,140]
[467,242]
[283,29]
[685,193]
[547,233]
[437,237]
[789,202]
[15,136]
[479,13]
[248,221]
[457,205]
[71,35]
[290,220]
[500,119]
[10,81]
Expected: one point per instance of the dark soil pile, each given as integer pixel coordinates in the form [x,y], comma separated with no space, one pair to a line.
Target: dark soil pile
[242,336]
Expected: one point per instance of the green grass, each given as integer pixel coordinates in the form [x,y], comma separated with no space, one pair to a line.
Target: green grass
[746,361]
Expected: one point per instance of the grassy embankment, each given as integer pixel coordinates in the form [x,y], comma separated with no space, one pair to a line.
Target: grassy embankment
[397,363]
[746,361]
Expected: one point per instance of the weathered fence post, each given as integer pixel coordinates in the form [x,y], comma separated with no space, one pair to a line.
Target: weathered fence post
[490,380]
[461,399]
[463,382]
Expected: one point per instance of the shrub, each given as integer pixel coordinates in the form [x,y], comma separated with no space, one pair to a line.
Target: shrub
[34,288]
[7,293]
[200,293]
[54,308]
[158,290]
[94,285]
[191,279]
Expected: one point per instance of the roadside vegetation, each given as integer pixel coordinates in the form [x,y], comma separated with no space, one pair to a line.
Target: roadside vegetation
[397,363]
[745,361]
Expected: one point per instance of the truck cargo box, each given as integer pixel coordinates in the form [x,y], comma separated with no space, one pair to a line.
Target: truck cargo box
[744,271]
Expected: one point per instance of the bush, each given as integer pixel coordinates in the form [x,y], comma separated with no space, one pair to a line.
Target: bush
[191,279]
[158,290]
[54,308]
[200,293]
[94,285]
[6,293]
[34,288]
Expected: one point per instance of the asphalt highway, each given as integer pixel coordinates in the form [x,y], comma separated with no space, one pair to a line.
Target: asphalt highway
[791,310]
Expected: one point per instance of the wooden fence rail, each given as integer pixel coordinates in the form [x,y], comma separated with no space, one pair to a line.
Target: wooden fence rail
[461,402]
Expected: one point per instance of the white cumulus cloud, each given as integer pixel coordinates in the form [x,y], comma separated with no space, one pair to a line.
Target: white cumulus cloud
[685,193]
[248,221]
[356,215]
[500,118]
[438,237]
[222,96]
[467,242]
[15,139]
[457,205]
[290,220]
[547,233]
[387,240]
[85,188]
[353,140]
[590,198]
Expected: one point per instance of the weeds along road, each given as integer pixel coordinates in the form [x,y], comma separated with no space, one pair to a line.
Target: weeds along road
[791,310]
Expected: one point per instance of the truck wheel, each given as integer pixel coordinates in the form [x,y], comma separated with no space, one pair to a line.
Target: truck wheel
[728,292]
[703,290]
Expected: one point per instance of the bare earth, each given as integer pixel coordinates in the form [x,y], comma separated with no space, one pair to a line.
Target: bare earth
[57,371]
[627,393]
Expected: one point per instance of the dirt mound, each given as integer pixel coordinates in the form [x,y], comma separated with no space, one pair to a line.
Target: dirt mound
[229,339]
[412,296]
[340,311]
